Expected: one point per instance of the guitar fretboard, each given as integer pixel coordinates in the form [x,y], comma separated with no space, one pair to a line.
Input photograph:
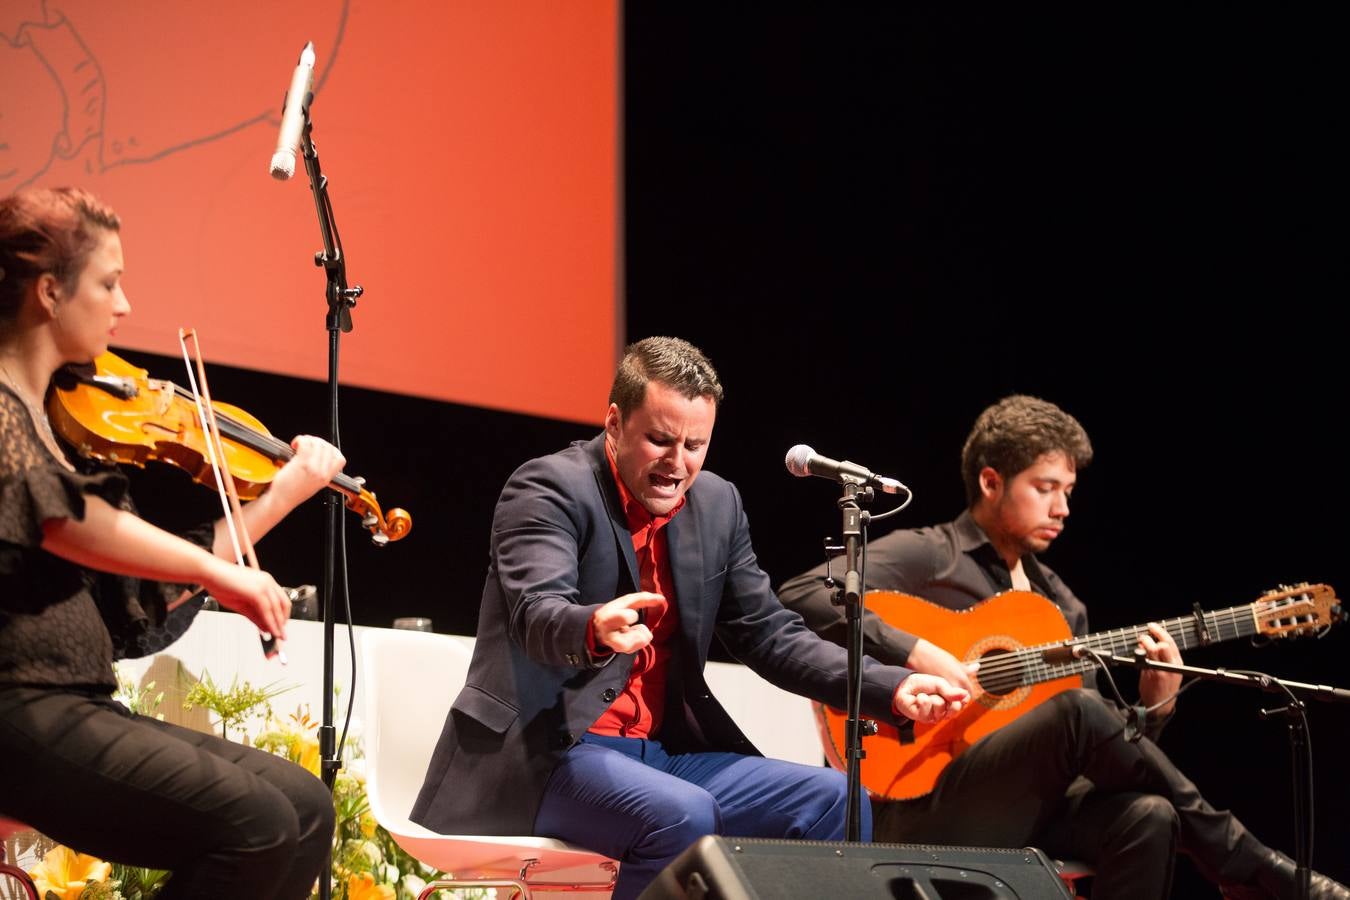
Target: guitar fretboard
[1001,673]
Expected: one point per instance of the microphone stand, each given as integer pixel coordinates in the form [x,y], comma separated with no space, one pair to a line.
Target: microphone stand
[341,299]
[1298,738]
[854,531]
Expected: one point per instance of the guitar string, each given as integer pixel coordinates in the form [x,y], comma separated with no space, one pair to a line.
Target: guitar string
[1222,625]
[1000,673]
[1024,666]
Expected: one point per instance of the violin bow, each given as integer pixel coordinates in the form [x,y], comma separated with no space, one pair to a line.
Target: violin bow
[215,454]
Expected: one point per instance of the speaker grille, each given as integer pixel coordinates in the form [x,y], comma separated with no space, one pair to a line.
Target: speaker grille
[719,868]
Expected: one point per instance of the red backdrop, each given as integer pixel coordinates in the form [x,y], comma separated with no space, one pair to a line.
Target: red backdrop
[471,149]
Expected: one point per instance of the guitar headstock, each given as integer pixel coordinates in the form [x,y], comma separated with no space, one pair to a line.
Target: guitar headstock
[1298,610]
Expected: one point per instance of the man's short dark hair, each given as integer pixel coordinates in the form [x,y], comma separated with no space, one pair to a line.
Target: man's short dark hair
[673,362]
[1015,432]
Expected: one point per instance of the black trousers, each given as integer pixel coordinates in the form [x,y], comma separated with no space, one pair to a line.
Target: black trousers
[1063,778]
[228,820]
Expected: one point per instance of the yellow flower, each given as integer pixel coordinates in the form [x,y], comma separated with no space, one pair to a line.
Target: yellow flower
[363,887]
[368,824]
[65,873]
[306,753]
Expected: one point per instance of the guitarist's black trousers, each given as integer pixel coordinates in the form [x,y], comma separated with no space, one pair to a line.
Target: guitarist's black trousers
[1063,777]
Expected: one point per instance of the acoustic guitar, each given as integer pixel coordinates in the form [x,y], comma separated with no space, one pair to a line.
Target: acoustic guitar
[1009,635]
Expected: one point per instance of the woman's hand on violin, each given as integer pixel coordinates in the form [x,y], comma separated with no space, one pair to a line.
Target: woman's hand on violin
[315,464]
[253,593]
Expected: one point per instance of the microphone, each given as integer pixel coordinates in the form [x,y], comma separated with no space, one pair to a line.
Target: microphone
[803,461]
[1062,653]
[293,115]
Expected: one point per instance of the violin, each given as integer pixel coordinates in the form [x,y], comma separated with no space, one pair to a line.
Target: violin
[118,413]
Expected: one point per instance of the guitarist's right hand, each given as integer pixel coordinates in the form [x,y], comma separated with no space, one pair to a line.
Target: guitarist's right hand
[929,658]
[928,698]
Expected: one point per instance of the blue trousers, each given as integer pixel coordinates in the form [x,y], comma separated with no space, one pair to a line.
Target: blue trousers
[630,800]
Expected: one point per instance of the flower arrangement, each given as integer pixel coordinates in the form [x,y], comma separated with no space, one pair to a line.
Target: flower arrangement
[233,705]
[67,875]
[367,863]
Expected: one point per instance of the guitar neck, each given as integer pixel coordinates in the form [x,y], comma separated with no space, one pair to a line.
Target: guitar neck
[1030,666]
[1188,631]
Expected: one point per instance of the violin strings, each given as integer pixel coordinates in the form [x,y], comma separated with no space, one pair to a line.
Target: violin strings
[246,435]
[265,444]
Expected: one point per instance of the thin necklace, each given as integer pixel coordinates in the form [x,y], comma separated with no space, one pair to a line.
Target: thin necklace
[22,394]
[35,411]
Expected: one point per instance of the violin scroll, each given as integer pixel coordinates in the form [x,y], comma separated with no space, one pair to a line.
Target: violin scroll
[384,527]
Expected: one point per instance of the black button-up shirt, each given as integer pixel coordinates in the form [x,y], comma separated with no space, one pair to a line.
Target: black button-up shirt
[953,565]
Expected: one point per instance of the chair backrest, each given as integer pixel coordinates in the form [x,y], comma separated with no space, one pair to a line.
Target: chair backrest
[410,678]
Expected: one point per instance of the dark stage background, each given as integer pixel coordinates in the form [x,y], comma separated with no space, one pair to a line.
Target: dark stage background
[877,221]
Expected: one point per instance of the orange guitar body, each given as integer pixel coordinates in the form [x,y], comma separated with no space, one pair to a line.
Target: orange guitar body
[900,769]
[1011,634]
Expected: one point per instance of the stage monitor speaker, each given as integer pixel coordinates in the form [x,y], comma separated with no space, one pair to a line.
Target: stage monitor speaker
[719,868]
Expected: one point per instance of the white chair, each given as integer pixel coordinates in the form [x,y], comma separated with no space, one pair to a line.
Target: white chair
[7,870]
[410,680]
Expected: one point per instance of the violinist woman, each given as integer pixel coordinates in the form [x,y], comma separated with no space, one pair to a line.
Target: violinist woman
[81,573]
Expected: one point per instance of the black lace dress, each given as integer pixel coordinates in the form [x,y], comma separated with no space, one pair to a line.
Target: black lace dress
[62,624]
[228,820]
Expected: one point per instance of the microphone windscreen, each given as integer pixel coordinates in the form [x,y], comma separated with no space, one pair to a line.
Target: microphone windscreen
[797,459]
[283,164]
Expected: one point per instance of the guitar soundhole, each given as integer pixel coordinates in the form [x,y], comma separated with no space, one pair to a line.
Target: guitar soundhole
[991,677]
[1001,679]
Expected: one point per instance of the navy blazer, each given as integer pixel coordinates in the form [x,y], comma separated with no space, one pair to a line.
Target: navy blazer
[560,548]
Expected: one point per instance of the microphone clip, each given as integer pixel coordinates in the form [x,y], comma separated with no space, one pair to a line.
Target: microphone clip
[856,492]
[833,551]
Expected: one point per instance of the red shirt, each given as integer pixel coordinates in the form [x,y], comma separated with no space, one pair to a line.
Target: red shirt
[638,710]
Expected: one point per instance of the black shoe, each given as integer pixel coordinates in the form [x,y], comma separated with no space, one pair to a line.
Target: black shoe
[1275,879]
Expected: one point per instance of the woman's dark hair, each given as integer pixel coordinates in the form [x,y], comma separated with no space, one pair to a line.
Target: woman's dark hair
[47,231]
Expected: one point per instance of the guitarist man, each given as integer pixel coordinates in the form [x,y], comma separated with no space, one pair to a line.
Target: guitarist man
[1062,776]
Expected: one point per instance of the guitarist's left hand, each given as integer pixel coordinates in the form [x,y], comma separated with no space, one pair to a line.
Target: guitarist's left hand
[928,698]
[1155,686]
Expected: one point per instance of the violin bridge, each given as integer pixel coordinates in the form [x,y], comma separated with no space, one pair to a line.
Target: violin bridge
[166,398]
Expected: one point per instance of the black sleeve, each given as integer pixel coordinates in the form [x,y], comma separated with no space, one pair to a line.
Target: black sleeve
[899,561]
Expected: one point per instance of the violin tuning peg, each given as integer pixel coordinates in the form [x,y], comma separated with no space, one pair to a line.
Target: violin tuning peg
[379,538]
[369,520]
